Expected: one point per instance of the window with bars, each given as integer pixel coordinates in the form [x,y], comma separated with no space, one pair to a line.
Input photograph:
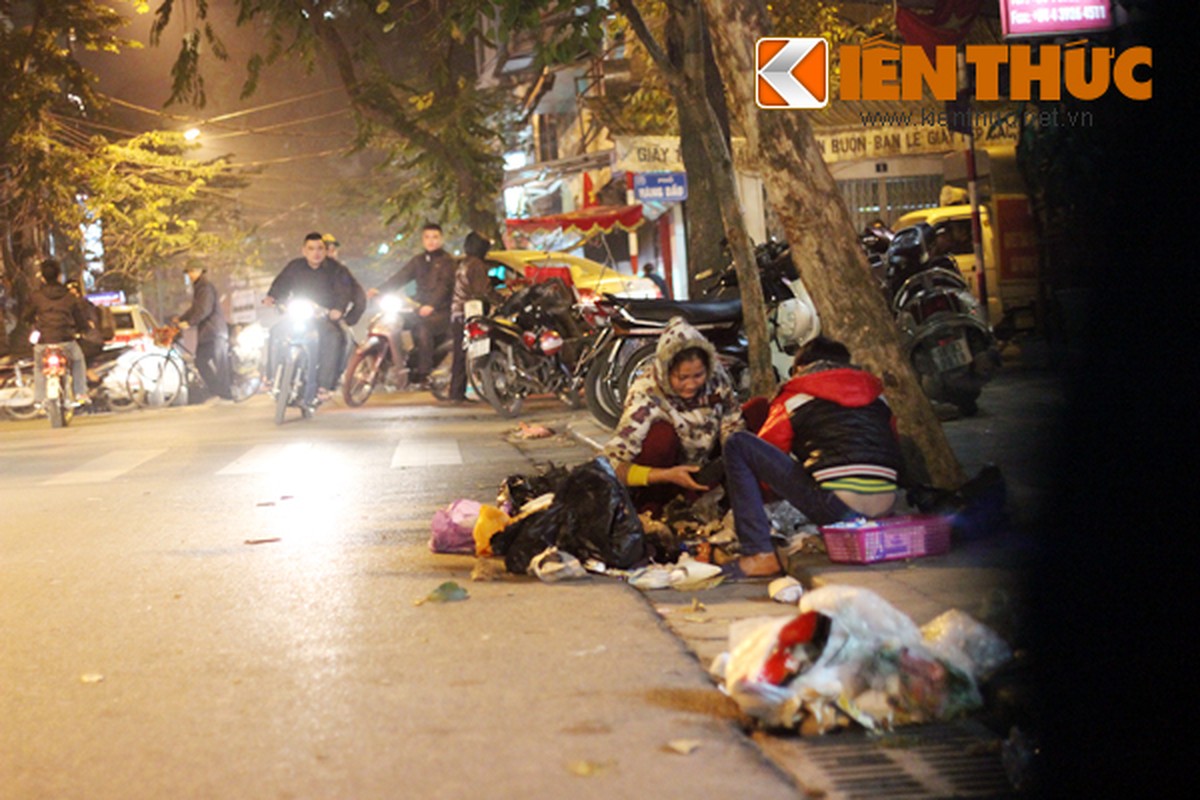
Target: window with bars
[889,198]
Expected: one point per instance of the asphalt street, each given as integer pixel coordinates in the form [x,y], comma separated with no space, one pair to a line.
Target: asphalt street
[197,603]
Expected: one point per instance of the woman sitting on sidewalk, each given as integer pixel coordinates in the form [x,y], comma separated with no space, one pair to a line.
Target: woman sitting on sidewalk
[828,447]
[675,418]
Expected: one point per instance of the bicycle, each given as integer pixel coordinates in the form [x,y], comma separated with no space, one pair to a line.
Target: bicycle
[157,379]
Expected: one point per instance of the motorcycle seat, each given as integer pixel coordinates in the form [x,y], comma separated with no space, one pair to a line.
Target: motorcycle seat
[695,312]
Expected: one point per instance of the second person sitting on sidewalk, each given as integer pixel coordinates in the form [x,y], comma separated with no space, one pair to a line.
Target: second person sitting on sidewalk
[675,419]
[828,447]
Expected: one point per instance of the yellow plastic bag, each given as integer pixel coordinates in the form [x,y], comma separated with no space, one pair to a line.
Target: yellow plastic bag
[491,521]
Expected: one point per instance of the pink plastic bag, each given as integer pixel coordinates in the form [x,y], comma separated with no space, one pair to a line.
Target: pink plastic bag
[453,528]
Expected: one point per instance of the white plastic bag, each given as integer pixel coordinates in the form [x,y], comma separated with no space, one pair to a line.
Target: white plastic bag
[959,638]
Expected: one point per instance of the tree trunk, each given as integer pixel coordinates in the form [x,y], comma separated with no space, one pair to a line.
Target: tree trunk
[823,240]
[693,94]
[702,211]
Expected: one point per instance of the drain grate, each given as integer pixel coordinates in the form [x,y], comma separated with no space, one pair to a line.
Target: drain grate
[929,761]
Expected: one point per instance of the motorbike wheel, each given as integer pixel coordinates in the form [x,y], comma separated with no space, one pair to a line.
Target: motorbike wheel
[59,409]
[639,361]
[496,386]
[288,385]
[597,392]
[439,379]
[21,406]
[360,377]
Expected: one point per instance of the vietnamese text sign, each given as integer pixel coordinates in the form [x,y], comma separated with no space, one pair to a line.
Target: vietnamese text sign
[1056,17]
[648,154]
[663,187]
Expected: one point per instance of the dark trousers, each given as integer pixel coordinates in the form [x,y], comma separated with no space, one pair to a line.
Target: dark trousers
[750,461]
[458,366]
[661,448]
[212,362]
[425,332]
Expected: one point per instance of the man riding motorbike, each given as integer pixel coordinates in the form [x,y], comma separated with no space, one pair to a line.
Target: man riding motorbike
[315,278]
[59,317]
[433,272]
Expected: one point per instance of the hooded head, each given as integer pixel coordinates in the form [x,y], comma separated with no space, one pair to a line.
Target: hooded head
[476,245]
[680,348]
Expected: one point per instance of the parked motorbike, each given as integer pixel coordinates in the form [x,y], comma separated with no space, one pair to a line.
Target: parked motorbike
[536,342]
[385,357]
[946,338]
[636,324]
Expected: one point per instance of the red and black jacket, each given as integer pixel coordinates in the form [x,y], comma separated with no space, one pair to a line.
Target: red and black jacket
[834,420]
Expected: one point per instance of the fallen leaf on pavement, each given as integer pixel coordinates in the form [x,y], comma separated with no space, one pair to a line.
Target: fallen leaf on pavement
[91,677]
[263,541]
[448,592]
[685,747]
[586,769]
[527,431]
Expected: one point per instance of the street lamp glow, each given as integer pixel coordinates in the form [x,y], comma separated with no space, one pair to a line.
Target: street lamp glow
[191,134]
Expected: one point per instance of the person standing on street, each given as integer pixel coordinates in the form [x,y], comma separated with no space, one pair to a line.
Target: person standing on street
[212,332]
[470,283]
[59,318]
[651,272]
[433,272]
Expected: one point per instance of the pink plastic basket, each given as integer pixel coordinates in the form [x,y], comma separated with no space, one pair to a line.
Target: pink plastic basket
[887,539]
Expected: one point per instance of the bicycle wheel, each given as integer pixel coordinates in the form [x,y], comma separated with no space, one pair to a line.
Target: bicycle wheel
[154,380]
[19,398]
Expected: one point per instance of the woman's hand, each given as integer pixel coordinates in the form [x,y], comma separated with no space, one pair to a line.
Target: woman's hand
[680,475]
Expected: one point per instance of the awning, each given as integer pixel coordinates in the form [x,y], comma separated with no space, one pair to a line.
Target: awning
[585,221]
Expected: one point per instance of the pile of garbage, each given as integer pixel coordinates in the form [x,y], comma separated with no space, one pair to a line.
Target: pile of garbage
[849,657]
[565,523]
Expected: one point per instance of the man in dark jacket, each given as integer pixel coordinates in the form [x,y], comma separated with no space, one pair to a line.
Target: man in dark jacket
[212,332]
[828,447]
[315,278]
[470,283]
[59,318]
[433,272]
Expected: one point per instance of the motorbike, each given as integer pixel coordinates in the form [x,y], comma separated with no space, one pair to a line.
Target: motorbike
[385,355]
[636,324]
[60,399]
[106,386]
[538,341]
[298,335]
[946,337]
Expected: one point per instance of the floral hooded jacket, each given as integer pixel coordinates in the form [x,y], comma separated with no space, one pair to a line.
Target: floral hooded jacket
[714,412]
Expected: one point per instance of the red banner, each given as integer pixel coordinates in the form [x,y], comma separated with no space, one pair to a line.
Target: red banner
[585,221]
[948,24]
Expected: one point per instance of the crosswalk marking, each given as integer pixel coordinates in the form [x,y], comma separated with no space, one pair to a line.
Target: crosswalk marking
[426,453]
[105,468]
[267,458]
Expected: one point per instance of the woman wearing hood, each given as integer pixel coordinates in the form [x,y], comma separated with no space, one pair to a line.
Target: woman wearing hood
[676,416]
[470,283]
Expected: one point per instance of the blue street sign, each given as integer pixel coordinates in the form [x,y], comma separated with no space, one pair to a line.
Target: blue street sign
[664,187]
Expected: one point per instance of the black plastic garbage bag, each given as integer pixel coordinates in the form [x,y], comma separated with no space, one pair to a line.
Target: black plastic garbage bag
[592,517]
[520,489]
[977,509]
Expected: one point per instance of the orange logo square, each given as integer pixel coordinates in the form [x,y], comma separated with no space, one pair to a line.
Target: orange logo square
[791,73]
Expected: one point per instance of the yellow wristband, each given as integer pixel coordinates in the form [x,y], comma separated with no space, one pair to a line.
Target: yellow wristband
[637,475]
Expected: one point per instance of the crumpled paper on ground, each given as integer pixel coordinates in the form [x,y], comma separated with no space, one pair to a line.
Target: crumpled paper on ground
[849,655]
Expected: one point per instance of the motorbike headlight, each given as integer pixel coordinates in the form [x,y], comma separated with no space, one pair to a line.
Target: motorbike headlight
[300,311]
[252,337]
[391,304]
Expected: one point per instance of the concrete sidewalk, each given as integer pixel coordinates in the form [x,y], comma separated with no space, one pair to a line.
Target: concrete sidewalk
[1018,417]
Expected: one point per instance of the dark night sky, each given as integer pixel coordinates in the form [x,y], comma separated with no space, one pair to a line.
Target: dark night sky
[297,126]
